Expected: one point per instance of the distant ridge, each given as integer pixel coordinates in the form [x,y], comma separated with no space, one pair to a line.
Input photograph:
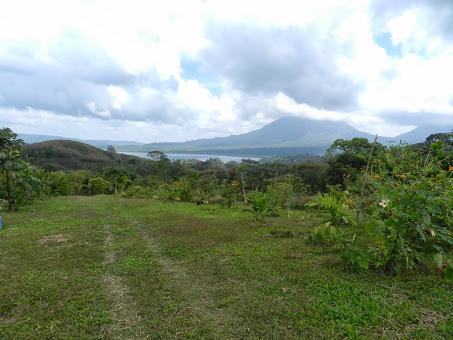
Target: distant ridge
[419,134]
[31,139]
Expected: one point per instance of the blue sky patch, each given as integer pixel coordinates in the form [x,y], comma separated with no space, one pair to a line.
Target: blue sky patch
[385,41]
[194,70]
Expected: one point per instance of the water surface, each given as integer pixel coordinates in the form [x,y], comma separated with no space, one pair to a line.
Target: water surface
[199,157]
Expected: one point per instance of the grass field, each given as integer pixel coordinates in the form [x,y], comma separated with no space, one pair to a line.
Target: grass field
[106,267]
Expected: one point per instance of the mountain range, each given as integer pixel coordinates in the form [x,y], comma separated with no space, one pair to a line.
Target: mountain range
[419,134]
[284,136]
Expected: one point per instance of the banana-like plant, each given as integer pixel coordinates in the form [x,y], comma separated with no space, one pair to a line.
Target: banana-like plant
[339,212]
[260,205]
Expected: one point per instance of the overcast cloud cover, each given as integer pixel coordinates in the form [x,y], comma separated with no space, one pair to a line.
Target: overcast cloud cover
[177,70]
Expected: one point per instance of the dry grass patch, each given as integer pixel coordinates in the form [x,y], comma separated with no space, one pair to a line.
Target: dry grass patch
[126,321]
[54,239]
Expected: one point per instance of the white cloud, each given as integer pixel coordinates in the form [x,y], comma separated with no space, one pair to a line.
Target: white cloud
[118,65]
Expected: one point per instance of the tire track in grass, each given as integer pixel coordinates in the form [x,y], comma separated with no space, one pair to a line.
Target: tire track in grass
[126,321]
[198,300]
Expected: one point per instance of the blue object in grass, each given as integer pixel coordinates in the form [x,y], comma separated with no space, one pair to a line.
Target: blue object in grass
[1,222]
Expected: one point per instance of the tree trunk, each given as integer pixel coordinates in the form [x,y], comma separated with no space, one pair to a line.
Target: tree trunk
[243,189]
[8,191]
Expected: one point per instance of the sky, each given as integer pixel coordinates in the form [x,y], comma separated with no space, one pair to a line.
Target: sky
[179,70]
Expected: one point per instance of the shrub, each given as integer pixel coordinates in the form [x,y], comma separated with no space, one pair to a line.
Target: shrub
[281,191]
[166,191]
[98,186]
[408,213]
[339,212]
[230,192]
[184,189]
[137,191]
[325,234]
[260,205]
[286,191]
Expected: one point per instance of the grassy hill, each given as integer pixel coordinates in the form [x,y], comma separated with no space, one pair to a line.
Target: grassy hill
[72,155]
[106,267]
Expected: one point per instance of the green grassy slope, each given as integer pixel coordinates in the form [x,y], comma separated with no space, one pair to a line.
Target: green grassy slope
[103,267]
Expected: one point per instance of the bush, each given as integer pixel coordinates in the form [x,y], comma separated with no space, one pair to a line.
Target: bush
[260,205]
[407,213]
[325,234]
[182,189]
[98,186]
[286,191]
[230,192]
[281,191]
[339,212]
[166,191]
[137,191]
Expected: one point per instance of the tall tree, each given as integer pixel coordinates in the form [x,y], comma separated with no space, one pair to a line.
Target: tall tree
[347,158]
[111,149]
[119,178]
[10,161]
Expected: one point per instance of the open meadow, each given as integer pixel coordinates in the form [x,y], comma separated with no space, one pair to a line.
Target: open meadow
[109,267]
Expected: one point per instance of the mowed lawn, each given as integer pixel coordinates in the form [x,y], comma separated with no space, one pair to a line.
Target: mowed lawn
[106,267]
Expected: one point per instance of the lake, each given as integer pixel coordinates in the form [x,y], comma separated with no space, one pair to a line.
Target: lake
[200,157]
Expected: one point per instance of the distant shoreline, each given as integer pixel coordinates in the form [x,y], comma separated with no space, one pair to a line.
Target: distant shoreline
[196,156]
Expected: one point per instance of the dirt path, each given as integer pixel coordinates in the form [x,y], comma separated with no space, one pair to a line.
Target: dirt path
[198,300]
[126,322]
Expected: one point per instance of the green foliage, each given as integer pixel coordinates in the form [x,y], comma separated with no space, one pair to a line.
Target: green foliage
[230,192]
[183,189]
[326,234]
[60,183]
[160,165]
[407,211]
[287,191]
[339,211]
[18,181]
[356,257]
[119,178]
[137,191]
[158,156]
[166,191]
[98,186]
[281,190]
[27,185]
[260,205]
[357,146]
[346,158]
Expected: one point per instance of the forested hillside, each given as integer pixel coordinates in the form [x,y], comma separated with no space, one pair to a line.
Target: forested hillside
[72,155]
